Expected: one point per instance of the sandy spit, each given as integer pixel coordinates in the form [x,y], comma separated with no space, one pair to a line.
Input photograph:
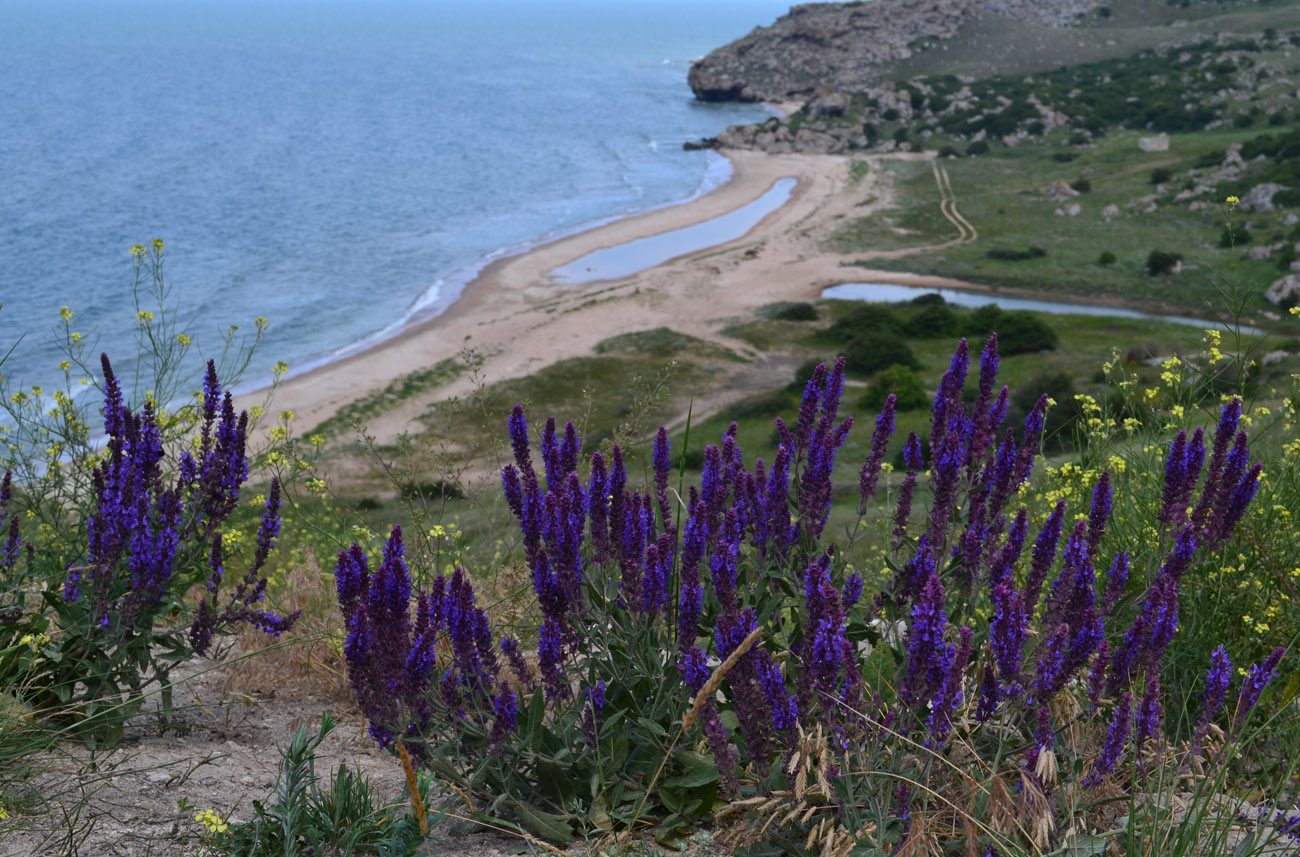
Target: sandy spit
[518,319]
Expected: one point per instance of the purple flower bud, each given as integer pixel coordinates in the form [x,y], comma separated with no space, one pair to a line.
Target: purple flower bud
[1102,499]
[593,713]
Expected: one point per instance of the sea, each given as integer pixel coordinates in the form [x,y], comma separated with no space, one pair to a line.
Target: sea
[340,168]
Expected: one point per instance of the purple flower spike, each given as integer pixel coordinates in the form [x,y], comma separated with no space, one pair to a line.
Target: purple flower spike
[518,425]
[1217,679]
[948,396]
[1151,714]
[1044,555]
[1116,736]
[879,440]
[929,658]
[662,464]
[1116,581]
[949,698]
[912,459]
[1102,499]
[1007,633]
[984,417]
[1258,678]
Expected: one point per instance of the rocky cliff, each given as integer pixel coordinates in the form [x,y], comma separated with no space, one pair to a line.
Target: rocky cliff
[843,45]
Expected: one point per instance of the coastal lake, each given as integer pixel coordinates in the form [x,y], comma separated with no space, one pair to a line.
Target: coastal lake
[624,260]
[893,293]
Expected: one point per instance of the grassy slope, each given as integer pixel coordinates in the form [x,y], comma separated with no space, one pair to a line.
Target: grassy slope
[990,45]
[1003,194]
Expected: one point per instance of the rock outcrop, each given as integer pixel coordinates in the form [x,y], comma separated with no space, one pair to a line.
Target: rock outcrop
[843,45]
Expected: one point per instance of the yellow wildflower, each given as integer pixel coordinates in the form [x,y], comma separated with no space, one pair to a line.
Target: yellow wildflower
[1232,200]
[211,821]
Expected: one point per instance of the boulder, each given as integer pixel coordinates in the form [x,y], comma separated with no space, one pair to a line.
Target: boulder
[1259,254]
[1233,157]
[1110,211]
[1158,143]
[1260,197]
[831,103]
[1273,358]
[1284,289]
[1071,210]
[1060,190]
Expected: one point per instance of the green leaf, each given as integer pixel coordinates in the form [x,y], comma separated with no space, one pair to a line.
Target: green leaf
[599,815]
[697,771]
[652,727]
[552,828]
[672,834]
[1083,845]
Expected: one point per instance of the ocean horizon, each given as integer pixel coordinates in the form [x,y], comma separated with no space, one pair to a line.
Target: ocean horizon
[340,167]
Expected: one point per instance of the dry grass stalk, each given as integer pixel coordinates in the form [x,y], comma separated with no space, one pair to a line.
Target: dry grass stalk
[809,804]
[715,679]
[413,786]
[1035,811]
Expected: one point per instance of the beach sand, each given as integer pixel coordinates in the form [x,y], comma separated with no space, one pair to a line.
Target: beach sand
[517,319]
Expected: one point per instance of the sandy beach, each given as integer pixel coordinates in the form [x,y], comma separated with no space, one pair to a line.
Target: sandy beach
[518,319]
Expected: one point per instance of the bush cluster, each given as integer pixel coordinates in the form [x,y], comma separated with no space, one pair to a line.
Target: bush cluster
[713,643]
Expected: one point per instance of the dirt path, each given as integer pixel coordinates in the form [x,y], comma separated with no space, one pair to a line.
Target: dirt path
[948,205]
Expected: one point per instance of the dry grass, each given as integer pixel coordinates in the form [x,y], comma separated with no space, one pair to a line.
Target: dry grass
[307,662]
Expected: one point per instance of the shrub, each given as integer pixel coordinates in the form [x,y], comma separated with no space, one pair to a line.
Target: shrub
[1161,262]
[797,311]
[1006,254]
[1081,185]
[153,534]
[1160,175]
[979,147]
[1106,258]
[862,319]
[1064,157]
[932,321]
[872,352]
[906,386]
[948,152]
[625,720]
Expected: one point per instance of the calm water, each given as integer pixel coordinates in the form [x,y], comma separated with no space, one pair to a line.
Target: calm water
[333,166]
[891,293]
[623,260]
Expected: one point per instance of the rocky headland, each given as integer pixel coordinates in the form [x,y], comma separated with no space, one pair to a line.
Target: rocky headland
[844,45]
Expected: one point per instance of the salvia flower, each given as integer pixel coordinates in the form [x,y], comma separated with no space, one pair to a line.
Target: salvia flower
[1217,680]
[1257,678]
[929,657]
[1116,736]
[870,473]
